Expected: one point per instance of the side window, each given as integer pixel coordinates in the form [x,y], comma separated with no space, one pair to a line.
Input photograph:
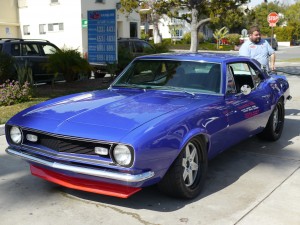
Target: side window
[48,49]
[242,75]
[147,47]
[123,45]
[15,50]
[256,75]
[231,86]
[30,49]
[138,47]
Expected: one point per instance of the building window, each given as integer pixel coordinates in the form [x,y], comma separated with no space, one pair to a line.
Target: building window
[99,1]
[55,27]
[50,27]
[60,26]
[26,30]
[133,30]
[54,1]
[42,28]
[178,33]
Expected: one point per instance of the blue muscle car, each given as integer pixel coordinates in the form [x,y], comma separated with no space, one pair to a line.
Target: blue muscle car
[159,123]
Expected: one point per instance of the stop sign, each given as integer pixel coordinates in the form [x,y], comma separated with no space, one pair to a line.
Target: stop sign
[273,18]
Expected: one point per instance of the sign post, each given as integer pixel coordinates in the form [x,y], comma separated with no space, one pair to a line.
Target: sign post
[272,18]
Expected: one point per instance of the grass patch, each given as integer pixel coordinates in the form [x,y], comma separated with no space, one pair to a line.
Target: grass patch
[45,92]
[6,112]
[203,46]
[290,60]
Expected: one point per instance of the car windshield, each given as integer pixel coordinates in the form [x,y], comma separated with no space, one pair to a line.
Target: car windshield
[187,76]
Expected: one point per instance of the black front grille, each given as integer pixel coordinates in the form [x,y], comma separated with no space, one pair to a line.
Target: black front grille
[63,144]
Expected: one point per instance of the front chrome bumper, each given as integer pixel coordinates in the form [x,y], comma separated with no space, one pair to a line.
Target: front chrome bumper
[131,178]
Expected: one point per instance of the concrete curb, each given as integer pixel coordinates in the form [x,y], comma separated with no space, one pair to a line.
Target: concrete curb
[2,131]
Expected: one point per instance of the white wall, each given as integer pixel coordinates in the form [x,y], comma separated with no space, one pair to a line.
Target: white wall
[67,12]
[70,13]
[9,20]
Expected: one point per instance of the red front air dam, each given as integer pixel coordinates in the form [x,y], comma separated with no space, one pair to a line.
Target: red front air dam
[83,184]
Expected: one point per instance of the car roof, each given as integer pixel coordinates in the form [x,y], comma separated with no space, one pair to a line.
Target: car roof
[18,40]
[210,57]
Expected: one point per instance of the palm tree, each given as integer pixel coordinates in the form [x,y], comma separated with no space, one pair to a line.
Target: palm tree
[220,34]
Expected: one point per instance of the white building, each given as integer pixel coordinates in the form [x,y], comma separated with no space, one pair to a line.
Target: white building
[63,22]
[174,28]
[9,19]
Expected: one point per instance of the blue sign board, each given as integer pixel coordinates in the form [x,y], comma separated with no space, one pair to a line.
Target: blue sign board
[102,38]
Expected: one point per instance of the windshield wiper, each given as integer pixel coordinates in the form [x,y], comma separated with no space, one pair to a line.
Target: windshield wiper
[140,86]
[180,89]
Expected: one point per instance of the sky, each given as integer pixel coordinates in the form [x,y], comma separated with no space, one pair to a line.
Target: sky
[257,2]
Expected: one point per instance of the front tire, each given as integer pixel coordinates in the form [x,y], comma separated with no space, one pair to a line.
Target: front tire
[273,130]
[185,178]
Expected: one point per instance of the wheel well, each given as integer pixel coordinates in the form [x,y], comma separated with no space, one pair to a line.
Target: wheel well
[281,99]
[204,138]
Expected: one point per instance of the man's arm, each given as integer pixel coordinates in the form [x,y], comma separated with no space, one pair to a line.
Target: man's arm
[272,61]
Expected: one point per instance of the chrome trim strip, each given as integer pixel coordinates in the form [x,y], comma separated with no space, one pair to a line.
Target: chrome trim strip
[87,171]
[67,137]
[63,156]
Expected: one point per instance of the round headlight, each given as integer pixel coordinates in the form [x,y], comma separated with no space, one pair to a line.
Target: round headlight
[122,155]
[16,135]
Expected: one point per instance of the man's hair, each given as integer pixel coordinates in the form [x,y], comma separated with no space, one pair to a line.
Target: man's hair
[253,29]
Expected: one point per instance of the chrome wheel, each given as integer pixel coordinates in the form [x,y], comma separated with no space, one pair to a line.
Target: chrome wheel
[274,127]
[185,177]
[190,163]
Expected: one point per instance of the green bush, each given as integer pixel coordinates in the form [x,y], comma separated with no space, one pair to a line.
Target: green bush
[124,58]
[284,33]
[160,48]
[6,67]
[11,92]
[24,73]
[69,63]
[233,39]
[186,39]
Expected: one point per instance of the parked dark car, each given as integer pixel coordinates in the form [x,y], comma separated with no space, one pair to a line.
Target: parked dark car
[128,49]
[295,42]
[159,122]
[33,51]
[273,42]
[134,46]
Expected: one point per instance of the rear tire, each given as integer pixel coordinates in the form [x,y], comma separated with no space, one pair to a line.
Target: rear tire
[185,178]
[273,130]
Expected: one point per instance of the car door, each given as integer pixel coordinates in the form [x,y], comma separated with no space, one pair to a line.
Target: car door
[33,57]
[247,114]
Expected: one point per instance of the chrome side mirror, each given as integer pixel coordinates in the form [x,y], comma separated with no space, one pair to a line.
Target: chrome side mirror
[245,89]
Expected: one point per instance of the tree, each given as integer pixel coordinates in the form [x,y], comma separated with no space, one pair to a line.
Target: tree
[261,13]
[292,16]
[129,6]
[197,12]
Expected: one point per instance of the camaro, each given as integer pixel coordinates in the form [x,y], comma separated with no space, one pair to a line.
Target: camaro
[159,122]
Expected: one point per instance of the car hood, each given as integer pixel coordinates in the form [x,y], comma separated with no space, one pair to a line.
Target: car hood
[107,115]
